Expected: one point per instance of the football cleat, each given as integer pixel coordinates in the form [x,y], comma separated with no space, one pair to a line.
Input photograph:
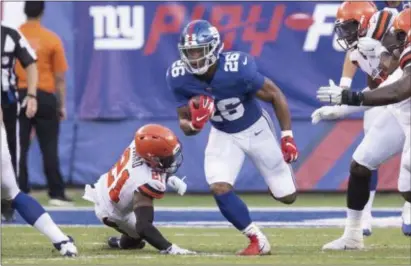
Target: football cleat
[67,247]
[366,225]
[125,242]
[406,219]
[7,212]
[345,243]
[257,246]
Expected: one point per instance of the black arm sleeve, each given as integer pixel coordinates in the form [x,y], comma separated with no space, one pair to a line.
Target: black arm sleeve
[146,229]
[24,52]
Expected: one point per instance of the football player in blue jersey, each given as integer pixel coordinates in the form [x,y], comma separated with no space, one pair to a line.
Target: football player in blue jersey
[223,88]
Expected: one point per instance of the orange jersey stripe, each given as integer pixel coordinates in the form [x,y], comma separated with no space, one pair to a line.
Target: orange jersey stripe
[382,25]
[148,192]
[405,60]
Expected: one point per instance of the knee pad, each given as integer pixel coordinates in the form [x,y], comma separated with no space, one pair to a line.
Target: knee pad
[358,170]
[407,196]
[289,199]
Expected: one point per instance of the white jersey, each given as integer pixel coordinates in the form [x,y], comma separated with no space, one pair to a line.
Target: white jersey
[402,110]
[130,174]
[379,25]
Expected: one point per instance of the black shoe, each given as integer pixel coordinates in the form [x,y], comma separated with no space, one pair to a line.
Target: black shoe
[61,201]
[7,212]
[125,242]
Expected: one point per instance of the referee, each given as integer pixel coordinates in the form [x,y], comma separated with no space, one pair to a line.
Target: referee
[14,46]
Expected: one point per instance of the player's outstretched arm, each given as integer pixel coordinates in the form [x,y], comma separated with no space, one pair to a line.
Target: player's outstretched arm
[272,94]
[392,93]
[144,211]
[185,121]
[348,72]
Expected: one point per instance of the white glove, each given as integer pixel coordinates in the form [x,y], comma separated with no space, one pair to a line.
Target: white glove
[176,250]
[330,94]
[370,47]
[326,113]
[177,184]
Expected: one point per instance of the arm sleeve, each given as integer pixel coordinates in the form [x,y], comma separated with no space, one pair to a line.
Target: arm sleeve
[253,79]
[24,52]
[59,57]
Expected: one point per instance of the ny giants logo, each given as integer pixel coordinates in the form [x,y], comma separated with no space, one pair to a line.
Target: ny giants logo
[122,27]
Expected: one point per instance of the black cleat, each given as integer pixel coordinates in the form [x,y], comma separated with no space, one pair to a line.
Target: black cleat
[125,242]
[7,212]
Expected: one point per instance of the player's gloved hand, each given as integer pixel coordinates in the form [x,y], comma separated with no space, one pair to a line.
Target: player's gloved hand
[330,94]
[201,111]
[370,47]
[327,113]
[177,184]
[288,146]
[176,250]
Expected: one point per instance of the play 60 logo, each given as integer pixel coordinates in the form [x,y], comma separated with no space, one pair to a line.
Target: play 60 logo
[118,27]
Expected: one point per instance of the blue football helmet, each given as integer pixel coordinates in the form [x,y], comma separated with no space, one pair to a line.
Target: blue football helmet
[200,46]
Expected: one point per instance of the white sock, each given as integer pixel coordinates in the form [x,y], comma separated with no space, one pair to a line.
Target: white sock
[368,207]
[353,226]
[252,230]
[47,226]
[406,213]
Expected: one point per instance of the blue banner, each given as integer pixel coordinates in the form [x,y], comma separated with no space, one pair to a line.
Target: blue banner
[125,48]
[119,52]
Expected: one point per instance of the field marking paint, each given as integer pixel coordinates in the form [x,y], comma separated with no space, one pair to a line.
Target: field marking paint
[319,223]
[252,209]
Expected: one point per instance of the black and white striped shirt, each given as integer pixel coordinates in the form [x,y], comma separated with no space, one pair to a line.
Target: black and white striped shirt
[13,46]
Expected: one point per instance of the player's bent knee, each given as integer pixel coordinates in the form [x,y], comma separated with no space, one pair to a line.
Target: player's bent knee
[358,170]
[289,199]
[406,195]
[220,188]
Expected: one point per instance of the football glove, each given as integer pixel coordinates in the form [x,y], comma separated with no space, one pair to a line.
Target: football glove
[327,113]
[177,184]
[176,250]
[330,94]
[288,146]
[201,113]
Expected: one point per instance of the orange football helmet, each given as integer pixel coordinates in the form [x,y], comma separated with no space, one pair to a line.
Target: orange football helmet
[159,147]
[352,22]
[402,27]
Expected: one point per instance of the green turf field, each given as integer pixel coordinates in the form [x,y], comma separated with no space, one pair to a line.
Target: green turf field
[387,246]
[289,247]
[252,200]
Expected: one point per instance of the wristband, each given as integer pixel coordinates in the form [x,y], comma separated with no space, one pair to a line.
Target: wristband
[352,98]
[286,133]
[30,95]
[345,82]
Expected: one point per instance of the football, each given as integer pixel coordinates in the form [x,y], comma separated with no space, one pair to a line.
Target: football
[195,100]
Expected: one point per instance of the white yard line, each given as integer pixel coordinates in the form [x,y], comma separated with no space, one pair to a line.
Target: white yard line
[213,209]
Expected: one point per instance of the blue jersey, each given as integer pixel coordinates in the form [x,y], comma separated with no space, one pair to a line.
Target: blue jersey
[233,88]
[382,4]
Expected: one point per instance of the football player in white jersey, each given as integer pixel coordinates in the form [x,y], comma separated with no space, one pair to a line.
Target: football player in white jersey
[16,46]
[395,92]
[354,20]
[123,197]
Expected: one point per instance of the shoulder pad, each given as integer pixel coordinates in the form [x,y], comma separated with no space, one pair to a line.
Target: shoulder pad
[380,23]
